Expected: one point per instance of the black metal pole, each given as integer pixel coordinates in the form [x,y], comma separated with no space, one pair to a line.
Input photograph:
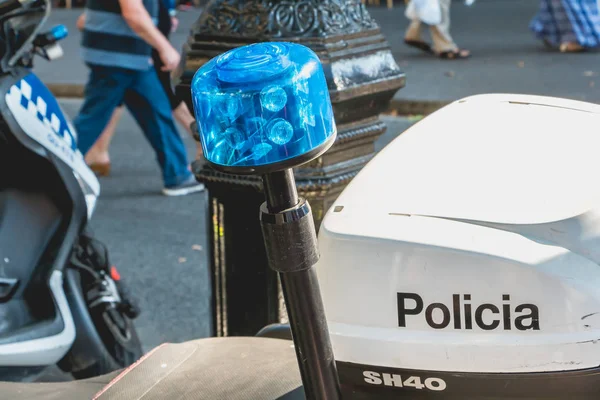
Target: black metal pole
[291,244]
[310,334]
[280,190]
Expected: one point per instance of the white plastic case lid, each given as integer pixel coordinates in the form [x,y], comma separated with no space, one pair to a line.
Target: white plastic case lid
[503,158]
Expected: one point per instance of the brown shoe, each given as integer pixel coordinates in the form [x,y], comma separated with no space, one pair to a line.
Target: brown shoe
[100,169]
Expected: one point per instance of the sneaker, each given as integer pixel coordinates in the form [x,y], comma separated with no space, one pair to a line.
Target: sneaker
[189,186]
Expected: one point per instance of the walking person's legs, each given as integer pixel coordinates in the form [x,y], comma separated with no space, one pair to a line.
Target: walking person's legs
[413,36]
[184,117]
[584,18]
[149,105]
[413,32]
[98,157]
[179,108]
[443,44]
[104,91]
[569,25]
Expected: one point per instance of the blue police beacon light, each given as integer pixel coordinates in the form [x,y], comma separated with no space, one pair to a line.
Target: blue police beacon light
[59,32]
[262,108]
[265,109]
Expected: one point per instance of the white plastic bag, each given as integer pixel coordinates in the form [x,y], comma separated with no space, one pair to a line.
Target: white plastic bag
[427,11]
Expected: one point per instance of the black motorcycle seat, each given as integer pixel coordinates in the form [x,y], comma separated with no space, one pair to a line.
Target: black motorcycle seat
[234,368]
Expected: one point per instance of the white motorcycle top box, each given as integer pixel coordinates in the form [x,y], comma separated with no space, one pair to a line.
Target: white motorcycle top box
[471,243]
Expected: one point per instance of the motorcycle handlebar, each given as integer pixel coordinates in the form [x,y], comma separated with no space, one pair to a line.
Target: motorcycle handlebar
[7,6]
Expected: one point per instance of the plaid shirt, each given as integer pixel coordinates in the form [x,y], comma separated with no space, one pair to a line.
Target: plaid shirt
[560,21]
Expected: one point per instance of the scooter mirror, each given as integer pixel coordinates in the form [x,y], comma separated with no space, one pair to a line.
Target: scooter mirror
[263,108]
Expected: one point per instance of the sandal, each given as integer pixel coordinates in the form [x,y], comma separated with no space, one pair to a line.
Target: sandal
[417,44]
[571,47]
[100,169]
[454,54]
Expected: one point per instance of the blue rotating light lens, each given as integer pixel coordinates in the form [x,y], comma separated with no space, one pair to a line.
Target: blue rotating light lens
[263,105]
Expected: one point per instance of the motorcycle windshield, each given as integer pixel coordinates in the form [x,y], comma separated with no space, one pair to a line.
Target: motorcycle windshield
[24,27]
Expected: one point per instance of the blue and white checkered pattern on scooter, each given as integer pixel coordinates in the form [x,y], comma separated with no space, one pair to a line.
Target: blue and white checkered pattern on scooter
[34,96]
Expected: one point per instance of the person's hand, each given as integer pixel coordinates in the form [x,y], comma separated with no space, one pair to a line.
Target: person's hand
[174,24]
[170,58]
[81,22]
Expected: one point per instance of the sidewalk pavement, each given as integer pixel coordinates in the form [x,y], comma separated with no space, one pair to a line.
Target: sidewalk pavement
[506,58]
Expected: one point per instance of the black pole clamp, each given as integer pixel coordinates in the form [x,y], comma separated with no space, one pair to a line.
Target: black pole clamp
[290,238]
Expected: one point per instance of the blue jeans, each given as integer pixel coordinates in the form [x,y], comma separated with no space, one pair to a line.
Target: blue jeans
[145,98]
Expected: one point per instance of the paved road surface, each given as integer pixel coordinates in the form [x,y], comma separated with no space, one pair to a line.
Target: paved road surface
[158,243]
